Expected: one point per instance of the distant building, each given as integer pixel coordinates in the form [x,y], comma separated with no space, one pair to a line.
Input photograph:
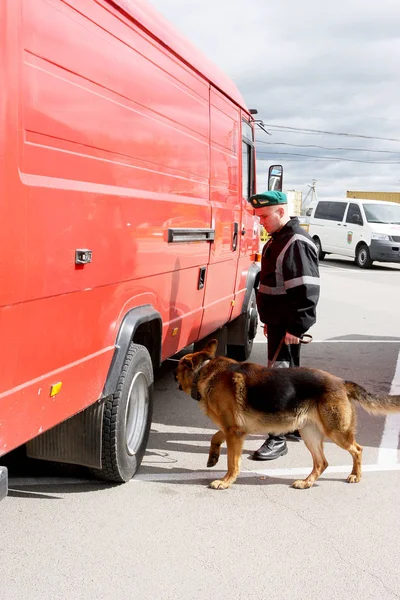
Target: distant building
[295,198]
[386,196]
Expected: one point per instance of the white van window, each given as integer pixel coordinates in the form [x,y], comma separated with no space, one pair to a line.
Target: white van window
[332,211]
[354,215]
[382,213]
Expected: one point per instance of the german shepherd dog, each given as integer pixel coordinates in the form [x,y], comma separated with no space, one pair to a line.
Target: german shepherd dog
[245,398]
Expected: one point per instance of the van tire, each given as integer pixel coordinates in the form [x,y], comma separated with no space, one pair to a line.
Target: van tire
[363,257]
[242,352]
[320,253]
[127,418]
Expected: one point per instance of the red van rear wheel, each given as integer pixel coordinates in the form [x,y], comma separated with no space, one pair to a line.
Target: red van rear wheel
[242,352]
[127,418]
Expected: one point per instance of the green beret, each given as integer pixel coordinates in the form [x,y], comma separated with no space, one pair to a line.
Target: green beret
[268,198]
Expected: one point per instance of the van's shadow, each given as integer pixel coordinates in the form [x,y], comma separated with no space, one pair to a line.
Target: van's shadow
[56,491]
[24,473]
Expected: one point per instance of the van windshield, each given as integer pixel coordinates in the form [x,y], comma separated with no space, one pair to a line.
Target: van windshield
[382,213]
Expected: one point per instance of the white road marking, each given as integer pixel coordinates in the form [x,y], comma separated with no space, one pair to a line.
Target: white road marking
[338,270]
[395,387]
[390,437]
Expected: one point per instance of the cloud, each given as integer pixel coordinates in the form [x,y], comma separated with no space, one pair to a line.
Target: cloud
[315,65]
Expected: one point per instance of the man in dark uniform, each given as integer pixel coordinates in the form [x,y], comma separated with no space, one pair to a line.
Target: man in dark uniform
[288,292]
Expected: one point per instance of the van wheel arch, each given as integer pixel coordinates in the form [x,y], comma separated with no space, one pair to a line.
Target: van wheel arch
[242,331]
[247,325]
[128,394]
[143,326]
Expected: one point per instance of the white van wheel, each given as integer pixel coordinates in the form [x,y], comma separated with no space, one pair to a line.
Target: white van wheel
[320,253]
[363,258]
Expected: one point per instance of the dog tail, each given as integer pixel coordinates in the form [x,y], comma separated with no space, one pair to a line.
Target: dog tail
[372,403]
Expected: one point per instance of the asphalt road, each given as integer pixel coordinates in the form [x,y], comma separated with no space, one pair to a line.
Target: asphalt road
[167,536]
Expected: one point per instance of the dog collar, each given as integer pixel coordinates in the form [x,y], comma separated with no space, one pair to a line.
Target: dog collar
[194,391]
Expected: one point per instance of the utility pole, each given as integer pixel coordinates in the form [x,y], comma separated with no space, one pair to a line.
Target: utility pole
[311,197]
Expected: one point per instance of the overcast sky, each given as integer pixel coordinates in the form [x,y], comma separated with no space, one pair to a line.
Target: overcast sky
[328,66]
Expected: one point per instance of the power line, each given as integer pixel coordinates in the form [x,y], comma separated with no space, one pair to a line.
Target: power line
[369,162]
[331,112]
[343,134]
[325,147]
[321,160]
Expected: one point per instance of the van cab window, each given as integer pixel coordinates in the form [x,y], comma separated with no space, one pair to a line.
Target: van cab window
[248,167]
[382,213]
[332,211]
[354,215]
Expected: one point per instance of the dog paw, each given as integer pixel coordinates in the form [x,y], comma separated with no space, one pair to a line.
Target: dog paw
[353,478]
[301,484]
[212,460]
[218,484]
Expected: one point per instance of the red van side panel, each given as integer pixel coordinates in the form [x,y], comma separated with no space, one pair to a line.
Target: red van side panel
[95,159]
[106,142]
[226,211]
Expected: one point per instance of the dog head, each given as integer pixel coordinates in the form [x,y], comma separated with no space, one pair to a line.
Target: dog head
[190,364]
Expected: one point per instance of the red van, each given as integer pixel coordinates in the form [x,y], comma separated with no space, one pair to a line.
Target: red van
[126,161]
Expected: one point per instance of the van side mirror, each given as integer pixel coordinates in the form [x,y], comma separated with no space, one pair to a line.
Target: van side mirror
[356,219]
[275,178]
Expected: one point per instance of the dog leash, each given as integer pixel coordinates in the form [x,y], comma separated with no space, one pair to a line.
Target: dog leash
[306,338]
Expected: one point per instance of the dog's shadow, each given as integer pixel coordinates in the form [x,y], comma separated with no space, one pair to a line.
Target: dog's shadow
[246,478]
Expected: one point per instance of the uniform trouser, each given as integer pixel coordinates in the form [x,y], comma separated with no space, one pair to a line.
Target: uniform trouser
[288,356]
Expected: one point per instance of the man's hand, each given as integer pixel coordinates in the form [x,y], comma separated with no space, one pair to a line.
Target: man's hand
[265,330]
[291,339]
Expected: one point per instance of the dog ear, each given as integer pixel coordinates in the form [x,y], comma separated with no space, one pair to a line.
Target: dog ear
[187,362]
[211,347]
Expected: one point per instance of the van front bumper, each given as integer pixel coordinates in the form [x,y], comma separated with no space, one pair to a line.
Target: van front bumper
[3,482]
[384,251]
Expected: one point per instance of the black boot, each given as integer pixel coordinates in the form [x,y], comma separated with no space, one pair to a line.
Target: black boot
[273,447]
[294,435]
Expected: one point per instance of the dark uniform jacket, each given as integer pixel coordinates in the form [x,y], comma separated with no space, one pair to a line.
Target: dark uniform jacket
[289,280]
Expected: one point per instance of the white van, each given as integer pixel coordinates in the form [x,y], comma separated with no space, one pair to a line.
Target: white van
[367,230]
